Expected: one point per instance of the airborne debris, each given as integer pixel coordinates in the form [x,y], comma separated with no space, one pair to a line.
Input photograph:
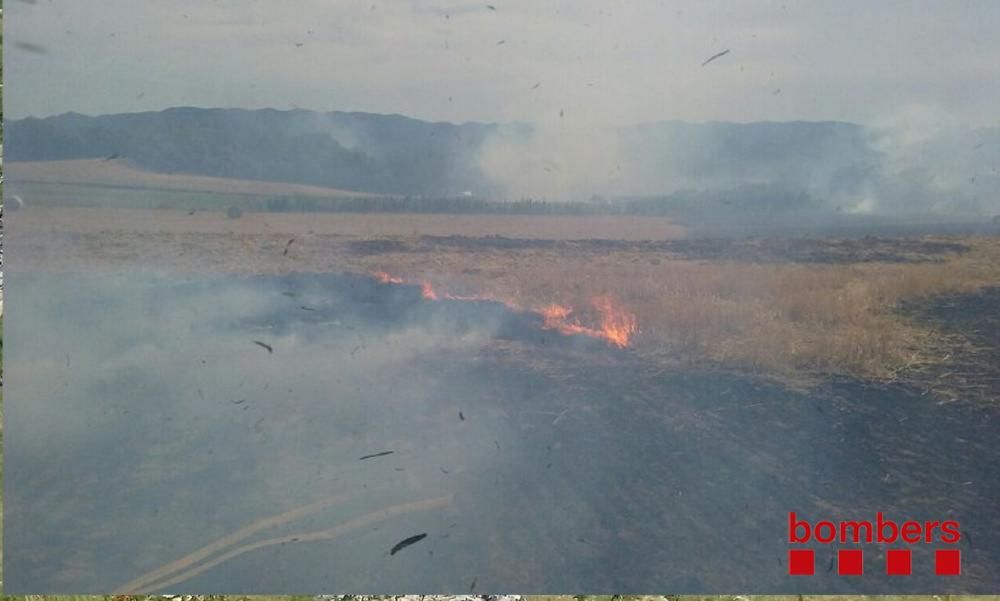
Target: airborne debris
[382,454]
[29,47]
[406,542]
[461,416]
[715,56]
[262,345]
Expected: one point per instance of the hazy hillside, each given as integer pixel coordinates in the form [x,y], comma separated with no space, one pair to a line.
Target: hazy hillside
[355,151]
[714,167]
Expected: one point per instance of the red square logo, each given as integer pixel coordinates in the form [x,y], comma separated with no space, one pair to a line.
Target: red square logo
[948,562]
[801,562]
[850,562]
[897,562]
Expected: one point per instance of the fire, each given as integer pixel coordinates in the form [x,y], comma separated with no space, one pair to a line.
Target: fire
[385,278]
[617,325]
[554,315]
[428,291]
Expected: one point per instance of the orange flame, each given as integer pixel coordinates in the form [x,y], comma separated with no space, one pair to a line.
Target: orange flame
[617,325]
[428,291]
[385,278]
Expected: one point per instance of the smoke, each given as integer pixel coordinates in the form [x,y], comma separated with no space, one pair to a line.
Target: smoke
[930,163]
[905,134]
[150,386]
[555,161]
[87,362]
[916,161]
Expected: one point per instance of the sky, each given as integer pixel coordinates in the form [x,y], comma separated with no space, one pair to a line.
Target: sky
[601,62]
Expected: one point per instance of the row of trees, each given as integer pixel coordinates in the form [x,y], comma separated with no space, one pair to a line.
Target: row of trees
[429,205]
[752,198]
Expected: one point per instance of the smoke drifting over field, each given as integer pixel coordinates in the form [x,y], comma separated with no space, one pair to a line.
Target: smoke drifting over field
[915,162]
[558,160]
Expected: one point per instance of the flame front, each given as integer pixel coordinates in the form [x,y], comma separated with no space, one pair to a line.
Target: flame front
[385,278]
[617,325]
[428,291]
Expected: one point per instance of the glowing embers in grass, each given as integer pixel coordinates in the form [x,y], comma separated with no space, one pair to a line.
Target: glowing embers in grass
[616,325]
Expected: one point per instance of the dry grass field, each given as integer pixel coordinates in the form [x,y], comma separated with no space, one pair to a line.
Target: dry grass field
[779,317]
[113,173]
[374,226]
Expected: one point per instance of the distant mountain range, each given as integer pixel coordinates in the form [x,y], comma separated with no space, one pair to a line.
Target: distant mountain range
[831,165]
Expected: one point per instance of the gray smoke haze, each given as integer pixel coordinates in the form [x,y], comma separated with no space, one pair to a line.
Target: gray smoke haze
[918,161]
[169,356]
[556,160]
[619,99]
[148,388]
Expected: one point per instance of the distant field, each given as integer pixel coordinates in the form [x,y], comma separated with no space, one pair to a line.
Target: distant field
[113,173]
[354,225]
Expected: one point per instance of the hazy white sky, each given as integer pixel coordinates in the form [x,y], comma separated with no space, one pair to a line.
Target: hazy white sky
[597,61]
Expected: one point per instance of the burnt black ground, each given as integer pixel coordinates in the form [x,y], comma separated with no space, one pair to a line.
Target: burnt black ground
[576,467]
[748,249]
[972,323]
